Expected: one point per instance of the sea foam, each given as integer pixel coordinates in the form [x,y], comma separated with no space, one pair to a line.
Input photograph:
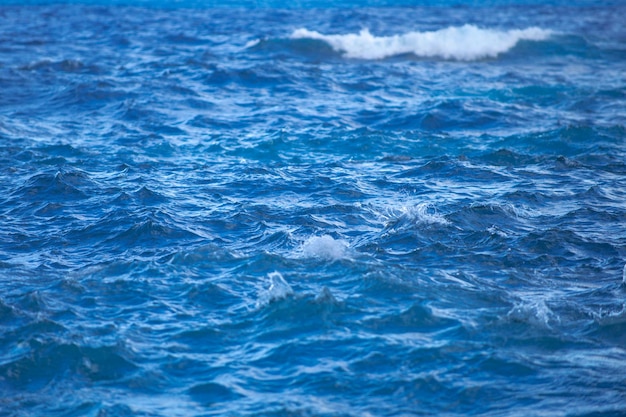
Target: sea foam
[463,43]
[325,247]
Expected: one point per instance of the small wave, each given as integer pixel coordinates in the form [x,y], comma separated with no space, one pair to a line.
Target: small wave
[420,214]
[56,187]
[45,360]
[209,393]
[463,43]
[417,318]
[148,197]
[492,217]
[66,65]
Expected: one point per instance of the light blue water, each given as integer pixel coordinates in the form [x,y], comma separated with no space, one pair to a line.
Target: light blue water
[365,209]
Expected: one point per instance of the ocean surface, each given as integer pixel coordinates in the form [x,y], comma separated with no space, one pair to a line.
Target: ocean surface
[366,208]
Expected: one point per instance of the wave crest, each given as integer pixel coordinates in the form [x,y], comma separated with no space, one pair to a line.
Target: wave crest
[463,43]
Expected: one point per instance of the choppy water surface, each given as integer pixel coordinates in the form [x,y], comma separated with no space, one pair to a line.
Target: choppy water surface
[330,211]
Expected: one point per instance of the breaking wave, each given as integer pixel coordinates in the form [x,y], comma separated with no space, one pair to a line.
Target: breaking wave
[463,43]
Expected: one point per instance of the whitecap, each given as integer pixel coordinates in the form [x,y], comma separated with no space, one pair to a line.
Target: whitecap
[425,213]
[535,312]
[421,214]
[496,231]
[252,43]
[609,318]
[325,247]
[278,289]
[463,43]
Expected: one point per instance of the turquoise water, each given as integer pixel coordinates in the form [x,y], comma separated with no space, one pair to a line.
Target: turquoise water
[356,209]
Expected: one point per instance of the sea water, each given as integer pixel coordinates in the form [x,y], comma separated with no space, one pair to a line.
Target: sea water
[361,208]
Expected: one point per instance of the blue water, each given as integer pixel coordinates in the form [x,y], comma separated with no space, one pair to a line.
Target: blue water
[360,209]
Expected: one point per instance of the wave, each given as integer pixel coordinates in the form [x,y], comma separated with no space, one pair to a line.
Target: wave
[420,214]
[463,43]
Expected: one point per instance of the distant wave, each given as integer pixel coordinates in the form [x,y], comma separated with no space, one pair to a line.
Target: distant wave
[463,43]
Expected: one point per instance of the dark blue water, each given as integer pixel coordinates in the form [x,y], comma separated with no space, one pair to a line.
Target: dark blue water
[364,209]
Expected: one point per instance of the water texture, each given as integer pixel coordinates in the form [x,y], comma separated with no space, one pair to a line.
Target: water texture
[364,209]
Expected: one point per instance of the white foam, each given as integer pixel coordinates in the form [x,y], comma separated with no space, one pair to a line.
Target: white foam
[464,43]
[325,247]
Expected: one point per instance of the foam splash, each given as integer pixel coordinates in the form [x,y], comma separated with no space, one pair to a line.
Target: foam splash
[463,43]
[325,247]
